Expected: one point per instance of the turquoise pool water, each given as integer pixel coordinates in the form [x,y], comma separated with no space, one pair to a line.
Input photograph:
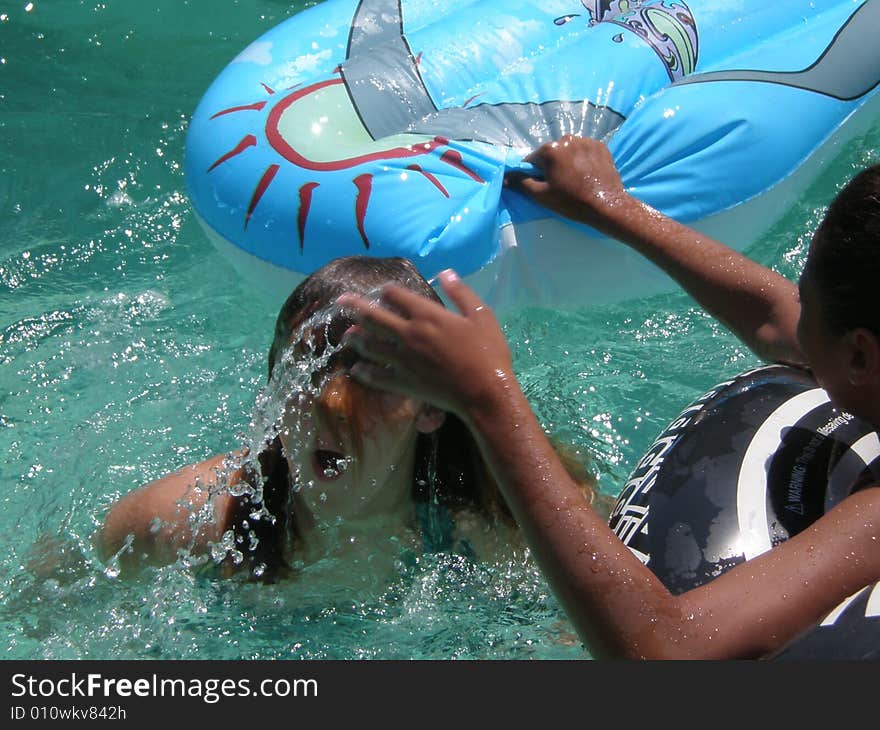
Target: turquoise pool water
[130,347]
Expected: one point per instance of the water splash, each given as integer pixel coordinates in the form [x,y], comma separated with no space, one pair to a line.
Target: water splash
[297,381]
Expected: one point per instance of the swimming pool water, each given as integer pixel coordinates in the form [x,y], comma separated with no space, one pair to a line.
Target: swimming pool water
[129,347]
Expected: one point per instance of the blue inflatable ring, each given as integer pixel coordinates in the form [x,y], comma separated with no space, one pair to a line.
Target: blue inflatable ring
[385,127]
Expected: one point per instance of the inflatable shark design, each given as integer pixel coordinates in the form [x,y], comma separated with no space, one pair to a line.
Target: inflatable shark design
[385,127]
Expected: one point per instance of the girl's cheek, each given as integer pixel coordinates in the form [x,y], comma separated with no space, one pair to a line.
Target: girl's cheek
[397,407]
[296,427]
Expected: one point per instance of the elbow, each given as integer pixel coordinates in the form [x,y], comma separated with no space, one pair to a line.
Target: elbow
[665,648]
[673,632]
[655,648]
[114,535]
[126,534]
[774,348]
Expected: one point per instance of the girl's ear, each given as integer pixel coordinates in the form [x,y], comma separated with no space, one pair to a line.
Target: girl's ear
[429,419]
[864,358]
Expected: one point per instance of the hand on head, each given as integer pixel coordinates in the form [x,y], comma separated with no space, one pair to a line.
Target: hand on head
[580,180]
[415,347]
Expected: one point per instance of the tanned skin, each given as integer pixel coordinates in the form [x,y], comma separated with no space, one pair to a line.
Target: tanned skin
[619,607]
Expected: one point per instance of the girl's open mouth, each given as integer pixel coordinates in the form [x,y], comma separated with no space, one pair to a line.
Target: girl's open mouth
[329,465]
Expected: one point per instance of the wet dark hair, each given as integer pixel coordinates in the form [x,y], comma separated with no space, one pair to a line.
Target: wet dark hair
[844,259]
[357,274]
[449,470]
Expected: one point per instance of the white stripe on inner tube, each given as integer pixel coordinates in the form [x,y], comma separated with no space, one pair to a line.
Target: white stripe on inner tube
[873,608]
[867,448]
[751,489]
[840,608]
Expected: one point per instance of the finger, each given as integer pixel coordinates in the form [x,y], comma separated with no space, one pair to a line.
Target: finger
[409,304]
[371,346]
[538,156]
[381,377]
[372,315]
[461,295]
[526,184]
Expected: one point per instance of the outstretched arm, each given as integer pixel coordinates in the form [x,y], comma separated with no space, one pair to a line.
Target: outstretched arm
[581,183]
[168,515]
[618,606]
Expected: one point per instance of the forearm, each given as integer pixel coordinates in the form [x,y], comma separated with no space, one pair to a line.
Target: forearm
[581,182]
[612,599]
[758,305]
[619,607]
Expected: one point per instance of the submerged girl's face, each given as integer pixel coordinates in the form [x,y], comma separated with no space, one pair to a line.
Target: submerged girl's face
[352,450]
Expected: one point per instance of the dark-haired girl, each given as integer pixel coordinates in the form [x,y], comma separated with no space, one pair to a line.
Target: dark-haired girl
[350,466]
[829,323]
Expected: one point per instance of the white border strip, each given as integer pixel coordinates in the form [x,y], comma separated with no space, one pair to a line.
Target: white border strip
[751,488]
[872,610]
[867,449]
[832,617]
